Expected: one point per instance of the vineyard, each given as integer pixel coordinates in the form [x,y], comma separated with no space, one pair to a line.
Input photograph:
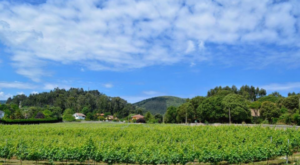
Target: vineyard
[145,144]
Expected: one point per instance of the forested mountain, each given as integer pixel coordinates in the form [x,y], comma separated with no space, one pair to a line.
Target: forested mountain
[160,104]
[2,101]
[74,100]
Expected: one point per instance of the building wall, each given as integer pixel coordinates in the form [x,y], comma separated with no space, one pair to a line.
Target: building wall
[1,115]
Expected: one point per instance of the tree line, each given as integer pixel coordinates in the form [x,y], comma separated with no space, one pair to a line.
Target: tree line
[229,104]
[221,105]
[64,103]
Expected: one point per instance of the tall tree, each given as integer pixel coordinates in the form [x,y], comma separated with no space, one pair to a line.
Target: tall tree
[236,108]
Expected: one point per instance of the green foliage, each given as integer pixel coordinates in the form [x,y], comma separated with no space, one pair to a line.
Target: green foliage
[270,98]
[171,114]
[248,92]
[77,99]
[30,121]
[145,144]
[238,107]
[269,110]
[48,114]
[291,102]
[160,104]
[255,105]
[149,117]
[90,116]
[211,109]
[69,117]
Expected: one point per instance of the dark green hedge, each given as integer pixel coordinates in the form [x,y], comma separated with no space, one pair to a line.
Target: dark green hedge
[30,121]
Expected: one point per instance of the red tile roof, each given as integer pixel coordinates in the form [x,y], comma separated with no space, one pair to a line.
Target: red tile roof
[80,114]
[138,116]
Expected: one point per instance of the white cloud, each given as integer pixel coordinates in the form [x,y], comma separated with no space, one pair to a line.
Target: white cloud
[20,93]
[150,92]
[134,99]
[34,92]
[201,45]
[108,85]
[190,47]
[50,86]
[134,34]
[82,70]
[4,96]
[17,85]
[192,64]
[282,87]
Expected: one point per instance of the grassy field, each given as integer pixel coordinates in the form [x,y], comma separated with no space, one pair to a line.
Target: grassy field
[145,144]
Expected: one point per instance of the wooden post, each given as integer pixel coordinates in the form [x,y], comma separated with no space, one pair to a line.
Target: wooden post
[287,157]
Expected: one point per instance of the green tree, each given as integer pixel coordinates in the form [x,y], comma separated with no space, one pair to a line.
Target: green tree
[291,102]
[185,113]
[170,116]
[149,117]
[47,113]
[236,108]
[89,116]
[68,115]
[211,109]
[269,111]
[158,117]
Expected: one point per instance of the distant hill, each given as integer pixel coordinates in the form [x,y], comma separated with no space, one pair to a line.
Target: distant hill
[160,104]
[2,101]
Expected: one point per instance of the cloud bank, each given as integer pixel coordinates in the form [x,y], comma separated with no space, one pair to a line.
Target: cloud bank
[121,35]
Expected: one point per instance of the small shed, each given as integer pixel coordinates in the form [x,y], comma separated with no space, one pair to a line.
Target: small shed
[79,116]
[136,117]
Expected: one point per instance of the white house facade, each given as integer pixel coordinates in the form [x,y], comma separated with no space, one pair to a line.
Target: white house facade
[79,116]
[1,114]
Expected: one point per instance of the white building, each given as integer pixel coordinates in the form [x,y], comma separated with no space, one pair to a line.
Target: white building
[1,114]
[79,116]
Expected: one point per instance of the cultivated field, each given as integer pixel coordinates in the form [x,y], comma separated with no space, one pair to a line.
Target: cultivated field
[145,144]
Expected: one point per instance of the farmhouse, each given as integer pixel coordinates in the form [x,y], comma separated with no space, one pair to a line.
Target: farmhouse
[111,117]
[1,114]
[136,117]
[79,116]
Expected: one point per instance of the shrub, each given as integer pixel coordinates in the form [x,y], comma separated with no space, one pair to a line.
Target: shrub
[40,115]
[69,117]
[141,120]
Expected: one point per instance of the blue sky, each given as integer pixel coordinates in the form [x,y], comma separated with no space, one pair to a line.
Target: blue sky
[138,49]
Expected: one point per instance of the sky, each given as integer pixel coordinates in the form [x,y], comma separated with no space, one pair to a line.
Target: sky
[137,49]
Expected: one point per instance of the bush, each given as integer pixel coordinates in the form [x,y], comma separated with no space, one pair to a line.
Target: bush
[141,120]
[265,122]
[296,118]
[30,121]
[283,110]
[69,117]
[40,115]
[285,118]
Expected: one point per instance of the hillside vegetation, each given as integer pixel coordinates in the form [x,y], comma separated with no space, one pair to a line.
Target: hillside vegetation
[64,103]
[160,104]
[2,101]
